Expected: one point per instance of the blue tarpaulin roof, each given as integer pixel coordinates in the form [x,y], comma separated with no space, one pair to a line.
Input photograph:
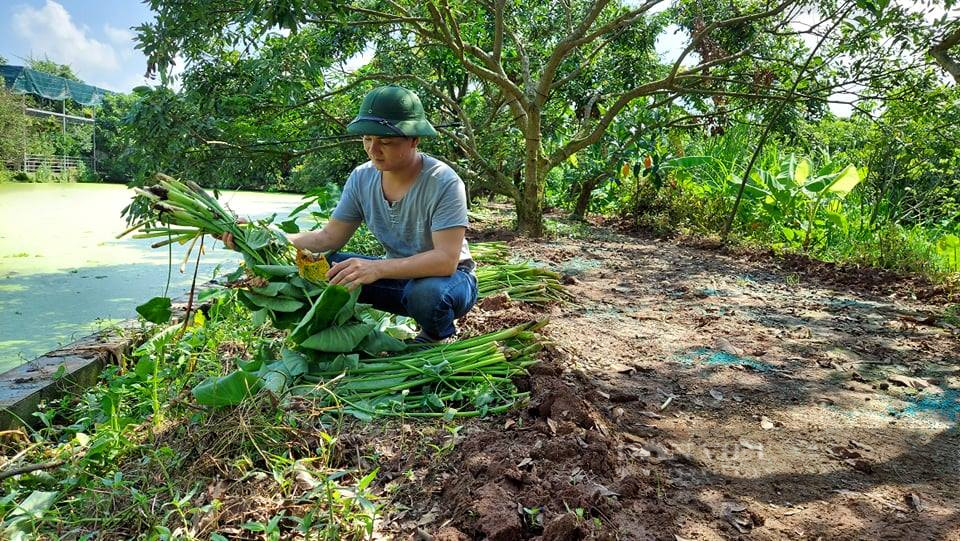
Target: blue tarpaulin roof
[27,81]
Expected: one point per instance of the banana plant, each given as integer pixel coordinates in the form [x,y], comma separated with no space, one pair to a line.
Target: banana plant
[802,198]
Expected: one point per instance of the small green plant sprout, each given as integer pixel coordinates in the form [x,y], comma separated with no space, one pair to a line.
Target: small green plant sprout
[533,516]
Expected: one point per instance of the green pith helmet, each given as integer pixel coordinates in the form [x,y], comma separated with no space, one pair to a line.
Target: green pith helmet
[391,111]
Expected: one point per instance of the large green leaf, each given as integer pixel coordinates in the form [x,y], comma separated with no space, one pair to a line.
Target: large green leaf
[280,374]
[802,172]
[948,243]
[346,312]
[228,390]
[339,339]
[276,270]
[258,238]
[689,162]
[156,310]
[846,181]
[379,342]
[270,290]
[20,524]
[277,304]
[322,313]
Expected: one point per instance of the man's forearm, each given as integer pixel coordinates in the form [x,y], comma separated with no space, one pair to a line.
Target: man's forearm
[315,241]
[430,263]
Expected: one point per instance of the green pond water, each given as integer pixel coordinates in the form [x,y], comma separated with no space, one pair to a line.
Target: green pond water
[63,273]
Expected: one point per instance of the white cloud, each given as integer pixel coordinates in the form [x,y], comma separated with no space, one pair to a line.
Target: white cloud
[118,36]
[50,31]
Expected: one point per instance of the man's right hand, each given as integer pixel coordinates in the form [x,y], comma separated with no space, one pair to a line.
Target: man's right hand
[227,237]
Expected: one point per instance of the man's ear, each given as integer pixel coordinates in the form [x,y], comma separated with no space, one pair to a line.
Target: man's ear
[415,141]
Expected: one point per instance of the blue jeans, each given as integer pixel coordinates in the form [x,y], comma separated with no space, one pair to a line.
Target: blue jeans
[434,302]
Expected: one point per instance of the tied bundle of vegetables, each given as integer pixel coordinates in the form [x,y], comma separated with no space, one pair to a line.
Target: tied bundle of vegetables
[490,253]
[468,378]
[522,282]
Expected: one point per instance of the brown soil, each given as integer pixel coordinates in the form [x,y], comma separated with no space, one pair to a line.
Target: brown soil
[696,394]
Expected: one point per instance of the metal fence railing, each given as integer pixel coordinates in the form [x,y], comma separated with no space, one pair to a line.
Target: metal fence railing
[31,163]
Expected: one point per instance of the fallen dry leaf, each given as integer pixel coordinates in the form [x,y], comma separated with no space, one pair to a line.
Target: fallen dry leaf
[717,395]
[909,381]
[766,423]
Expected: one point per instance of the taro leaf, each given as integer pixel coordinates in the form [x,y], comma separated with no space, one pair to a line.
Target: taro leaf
[289,226]
[343,361]
[321,314]
[259,316]
[276,270]
[228,390]
[286,320]
[36,504]
[145,367]
[346,361]
[311,288]
[364,384]
[270,290]
[379,341]
[20,523]
[247,303]
[257,239]
[280,374]
[346,312]
[156,310]
[305,326]
[277,304]
[338,339]
[359,411]
[250,366]
[292,291]
[400,327]
[212,293]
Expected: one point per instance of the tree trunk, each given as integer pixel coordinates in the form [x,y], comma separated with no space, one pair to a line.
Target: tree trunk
[583,199]
[530,204]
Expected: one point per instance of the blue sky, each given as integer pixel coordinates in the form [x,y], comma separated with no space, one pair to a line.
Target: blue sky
[93,36]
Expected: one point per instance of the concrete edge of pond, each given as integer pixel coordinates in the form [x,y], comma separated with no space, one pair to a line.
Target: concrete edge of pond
[71,368]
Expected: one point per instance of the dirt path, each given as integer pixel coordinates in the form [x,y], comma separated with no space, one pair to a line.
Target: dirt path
[696,395]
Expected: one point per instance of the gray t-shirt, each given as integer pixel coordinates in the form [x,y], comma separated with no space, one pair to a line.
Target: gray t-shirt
[437,200]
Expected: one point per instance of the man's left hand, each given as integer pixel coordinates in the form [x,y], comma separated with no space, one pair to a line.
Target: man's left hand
[354,272]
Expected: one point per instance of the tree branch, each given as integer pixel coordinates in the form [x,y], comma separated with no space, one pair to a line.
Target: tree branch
[941,52]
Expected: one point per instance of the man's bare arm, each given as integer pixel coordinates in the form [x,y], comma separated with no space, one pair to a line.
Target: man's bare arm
[332,236]
[442,260]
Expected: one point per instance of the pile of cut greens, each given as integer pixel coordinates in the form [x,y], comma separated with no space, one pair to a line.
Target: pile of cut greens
[346,355]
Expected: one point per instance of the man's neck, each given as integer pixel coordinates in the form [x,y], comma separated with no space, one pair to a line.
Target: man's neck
[405,176]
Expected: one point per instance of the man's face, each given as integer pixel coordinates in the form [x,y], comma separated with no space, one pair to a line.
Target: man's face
[390,153]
